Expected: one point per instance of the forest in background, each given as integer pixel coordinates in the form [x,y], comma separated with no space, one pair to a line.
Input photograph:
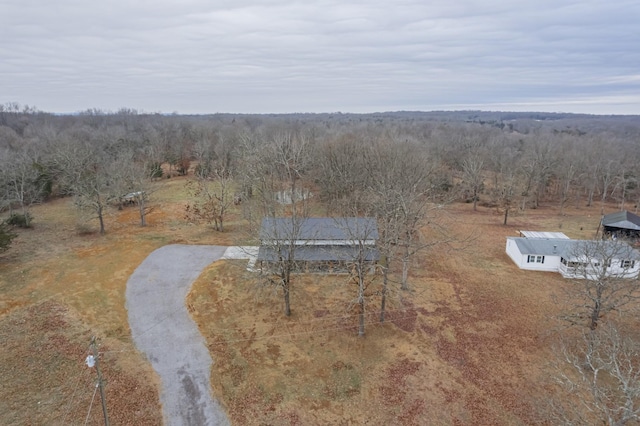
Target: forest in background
[510,160]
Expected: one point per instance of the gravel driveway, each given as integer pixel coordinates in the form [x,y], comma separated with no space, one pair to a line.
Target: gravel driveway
[163,330]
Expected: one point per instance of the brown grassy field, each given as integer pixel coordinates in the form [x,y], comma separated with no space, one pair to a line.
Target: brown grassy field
[468,344]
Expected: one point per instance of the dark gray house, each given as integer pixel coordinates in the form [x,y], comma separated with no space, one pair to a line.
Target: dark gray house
[318,244]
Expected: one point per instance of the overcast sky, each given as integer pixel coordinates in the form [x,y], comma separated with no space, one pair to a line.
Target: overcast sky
[249,56]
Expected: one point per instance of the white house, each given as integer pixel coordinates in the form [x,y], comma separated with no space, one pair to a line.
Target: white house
[575,258]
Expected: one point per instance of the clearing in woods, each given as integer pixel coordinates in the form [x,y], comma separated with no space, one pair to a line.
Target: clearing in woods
[469,344]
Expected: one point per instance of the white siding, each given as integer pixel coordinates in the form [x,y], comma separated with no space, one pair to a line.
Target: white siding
[514,253]
[594,272]
[551,263]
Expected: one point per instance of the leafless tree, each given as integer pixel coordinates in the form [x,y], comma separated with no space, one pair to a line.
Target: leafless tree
[211,198]
[607,177]
[538,164]
[508,172]
[88,175]
[604,280]
[276,177]
[361,258]
[600,375]
[25,181]
[134,181]
[473,179]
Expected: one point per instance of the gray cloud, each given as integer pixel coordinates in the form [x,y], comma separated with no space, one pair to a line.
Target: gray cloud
[276,56]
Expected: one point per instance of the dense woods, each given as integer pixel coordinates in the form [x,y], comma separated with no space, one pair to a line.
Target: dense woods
[401,168]
[398,163]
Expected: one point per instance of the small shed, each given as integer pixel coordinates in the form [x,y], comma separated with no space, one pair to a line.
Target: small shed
[622,224]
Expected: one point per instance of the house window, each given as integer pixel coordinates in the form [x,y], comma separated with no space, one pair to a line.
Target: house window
[571,264]
[627,263]
[532,258]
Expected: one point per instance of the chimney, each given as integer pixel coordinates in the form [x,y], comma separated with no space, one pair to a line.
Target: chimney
[554,248]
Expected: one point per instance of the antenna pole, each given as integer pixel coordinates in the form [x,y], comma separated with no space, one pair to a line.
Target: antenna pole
[100,381]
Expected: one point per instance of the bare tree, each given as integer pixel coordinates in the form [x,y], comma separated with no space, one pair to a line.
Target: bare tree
[607,177]
[134,182]
[604,280]
[26,182]
[279,170]
[361,258]
[506,177]
[538,166]
[603,372]
[473,179]
[211,198]
[88,173]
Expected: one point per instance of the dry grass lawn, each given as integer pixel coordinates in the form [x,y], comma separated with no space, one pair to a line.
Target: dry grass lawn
[469,344]
[58,288]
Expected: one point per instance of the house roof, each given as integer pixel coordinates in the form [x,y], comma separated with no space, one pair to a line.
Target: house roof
[603,249]
[623,220]
[538,234]
[576,249]
[543,246]
[320,253]
[319,228]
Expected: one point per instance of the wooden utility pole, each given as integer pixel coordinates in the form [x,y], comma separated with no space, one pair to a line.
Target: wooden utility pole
[100,381]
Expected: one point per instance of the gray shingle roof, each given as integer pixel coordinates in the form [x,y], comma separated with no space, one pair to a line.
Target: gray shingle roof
[581,249]
[321,228]
[571,249]
[543,246]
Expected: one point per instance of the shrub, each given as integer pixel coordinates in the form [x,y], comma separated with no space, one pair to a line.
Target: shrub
[20,220]
[155,170]
[6,236]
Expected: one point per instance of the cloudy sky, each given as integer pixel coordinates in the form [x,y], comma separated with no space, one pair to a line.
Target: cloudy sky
[249,56]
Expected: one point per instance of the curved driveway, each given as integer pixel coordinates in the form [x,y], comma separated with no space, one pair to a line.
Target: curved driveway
[162,328]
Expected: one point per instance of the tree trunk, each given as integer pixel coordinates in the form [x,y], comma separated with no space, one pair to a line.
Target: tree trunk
[143,219]
[590,197]
[595,316]
[597,306]
[101,219]
[405,271]
[383,302]
[361,326]
[286,290]
[287,304]
[475,199]
[361,273]
[506,215]
[27,216]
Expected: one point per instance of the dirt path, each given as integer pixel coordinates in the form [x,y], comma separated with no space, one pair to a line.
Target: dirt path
[163,330]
